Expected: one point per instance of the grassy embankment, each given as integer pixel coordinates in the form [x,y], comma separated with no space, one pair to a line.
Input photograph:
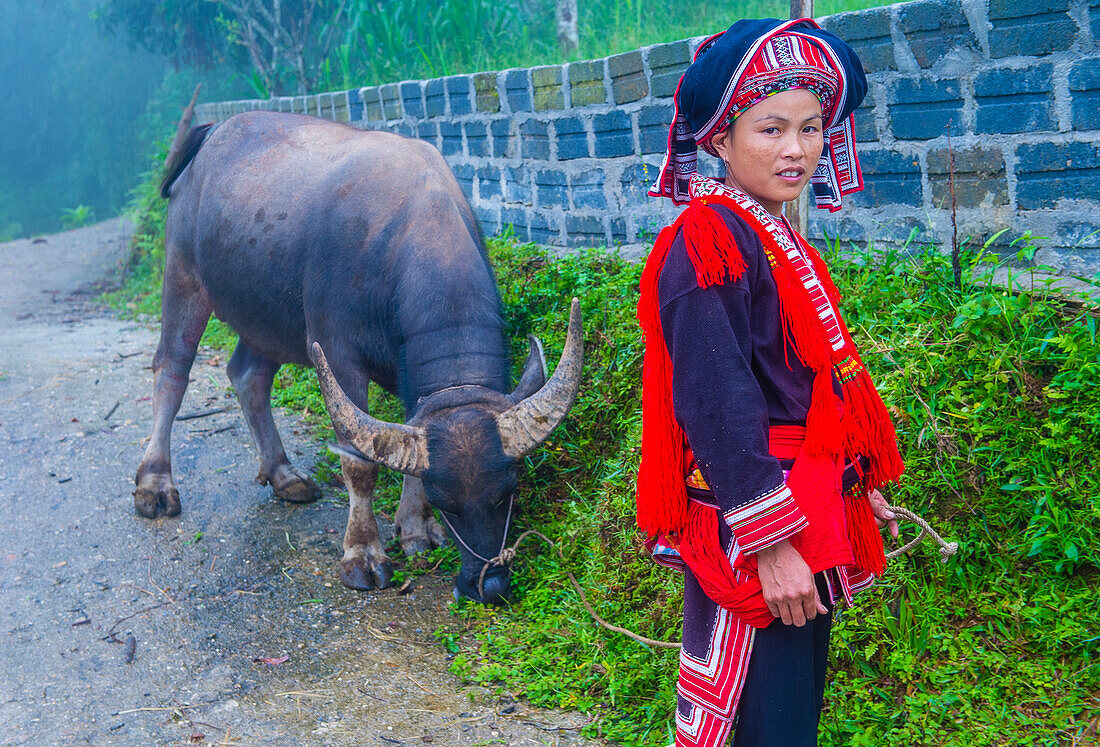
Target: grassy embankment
[996,396]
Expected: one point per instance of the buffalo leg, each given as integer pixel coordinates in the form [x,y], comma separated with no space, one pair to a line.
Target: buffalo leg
[252,375]
[365,564]
[185,310]
[415,523]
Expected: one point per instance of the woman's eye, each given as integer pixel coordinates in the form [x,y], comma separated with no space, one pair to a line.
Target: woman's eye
[771,130]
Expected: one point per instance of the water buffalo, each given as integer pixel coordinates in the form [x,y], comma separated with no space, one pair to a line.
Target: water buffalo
[354,252]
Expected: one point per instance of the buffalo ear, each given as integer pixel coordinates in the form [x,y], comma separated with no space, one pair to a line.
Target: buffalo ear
[534,371]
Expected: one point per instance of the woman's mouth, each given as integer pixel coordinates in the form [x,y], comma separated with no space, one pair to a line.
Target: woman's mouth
[791,176]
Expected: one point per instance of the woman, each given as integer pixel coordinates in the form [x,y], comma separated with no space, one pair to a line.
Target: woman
[764,440]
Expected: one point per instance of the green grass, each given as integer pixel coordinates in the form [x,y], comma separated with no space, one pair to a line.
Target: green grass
[996,397]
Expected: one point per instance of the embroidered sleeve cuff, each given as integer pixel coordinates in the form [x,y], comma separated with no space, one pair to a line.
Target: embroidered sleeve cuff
[763,521]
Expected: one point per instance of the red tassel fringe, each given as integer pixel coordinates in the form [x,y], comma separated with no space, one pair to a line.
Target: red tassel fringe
[863,534]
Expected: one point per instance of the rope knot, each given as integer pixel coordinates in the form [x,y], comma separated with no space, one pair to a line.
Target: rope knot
[507,555]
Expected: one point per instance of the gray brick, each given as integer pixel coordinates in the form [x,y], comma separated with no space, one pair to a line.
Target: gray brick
[1049,172]
[505,142]
[485,92]
[1036,27]
[488,182]
[488,219]
[618,231]
[403,129]
[636,180]
[544,228]
[477,139]
[391,101]
[1011,101]
[435,98]
[451,132]
[667,63]
[1084,88]
[628,81]
[534,135]
[653,125]
[458,94]
[889,178]
[613,134]
[412,98]
[517,219]
[868,33]
[517,90]
[547,85]
[587,189]
[517,185]
[866,129]
[979,177]
[464,173]
[428,132]
[585,231]
[934,28]
[1094,19]
[925,109]
[571,137]
[551,187]
[1080,234]
[586,86]
[355,105]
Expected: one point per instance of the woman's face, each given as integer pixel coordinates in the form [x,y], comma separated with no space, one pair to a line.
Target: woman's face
[773,147]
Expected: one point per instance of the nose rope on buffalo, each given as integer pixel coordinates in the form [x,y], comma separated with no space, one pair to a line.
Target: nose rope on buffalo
[508,554]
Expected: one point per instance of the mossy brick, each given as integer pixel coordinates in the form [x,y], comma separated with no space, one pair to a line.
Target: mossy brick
[587,190]
[571,135]
[486,97]
[1049,172]
[435,98]
[372,104]
[488,182]
[283,103]
[412,98]
[458,94]
[451,133]
[535,140]
[391,101]
[464,174]
[667,63]
[1032,28]
[933,28]
[1084,92]
[477,138]
[584,230]
[428,132]
[518,220]
[889,178]
[505,142]
[868,33]
[628,81]
[517,89]
[924,108]
[517,185]
[299,105]
[866,126]
[324,105]
[613,133]
[551,185]
[544,228]
[979,177]
[546,82]
[653,126]
[586,85]
[1015,100]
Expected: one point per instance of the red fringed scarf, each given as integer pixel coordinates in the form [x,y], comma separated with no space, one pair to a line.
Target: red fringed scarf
[856,424]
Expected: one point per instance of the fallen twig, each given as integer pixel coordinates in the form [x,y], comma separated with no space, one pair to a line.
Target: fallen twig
[112,411]
[111,631]
[201,414]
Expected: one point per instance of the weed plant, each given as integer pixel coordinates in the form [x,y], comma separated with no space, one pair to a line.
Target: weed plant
[995,392]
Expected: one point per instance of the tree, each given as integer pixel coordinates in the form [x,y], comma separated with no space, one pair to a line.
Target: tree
[190,33]
[566,16]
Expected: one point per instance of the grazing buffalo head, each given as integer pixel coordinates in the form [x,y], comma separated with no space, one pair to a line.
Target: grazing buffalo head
[463,443]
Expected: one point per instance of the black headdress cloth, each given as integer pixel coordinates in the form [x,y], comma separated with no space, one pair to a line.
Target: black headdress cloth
[746,63]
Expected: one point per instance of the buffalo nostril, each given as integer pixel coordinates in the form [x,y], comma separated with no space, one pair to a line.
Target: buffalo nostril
[496,590]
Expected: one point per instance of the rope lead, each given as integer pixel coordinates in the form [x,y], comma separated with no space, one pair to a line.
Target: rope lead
[508,555]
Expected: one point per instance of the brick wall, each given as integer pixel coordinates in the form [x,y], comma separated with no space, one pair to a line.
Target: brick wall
[565,153]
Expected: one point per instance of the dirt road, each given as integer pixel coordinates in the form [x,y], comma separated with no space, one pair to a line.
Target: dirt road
[238,576]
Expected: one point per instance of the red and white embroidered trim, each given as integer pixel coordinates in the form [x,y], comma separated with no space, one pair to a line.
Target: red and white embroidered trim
[771,518]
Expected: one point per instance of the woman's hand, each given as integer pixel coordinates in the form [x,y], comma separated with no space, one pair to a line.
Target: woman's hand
[788,584]
[884,517]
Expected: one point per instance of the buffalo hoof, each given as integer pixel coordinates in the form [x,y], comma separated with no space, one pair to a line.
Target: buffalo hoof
[432,536]
[364,576]
[154,495]
[292,485]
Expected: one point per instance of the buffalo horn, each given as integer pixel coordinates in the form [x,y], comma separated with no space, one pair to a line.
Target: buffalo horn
[402,448]
[528,423]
